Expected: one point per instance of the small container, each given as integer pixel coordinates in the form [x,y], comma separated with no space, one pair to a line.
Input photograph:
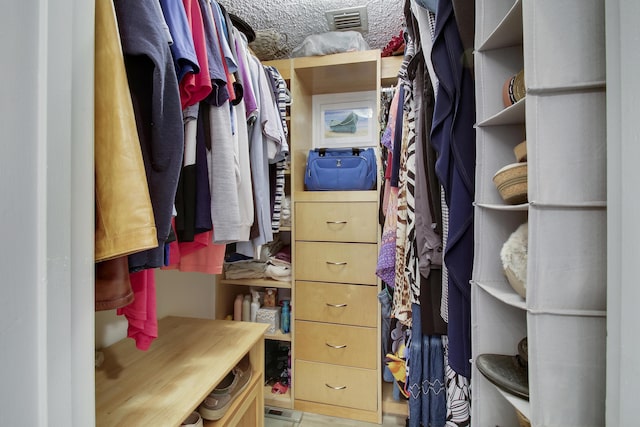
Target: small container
[246,308]
[255,305]
[285,317]
[270,297]
[237,308]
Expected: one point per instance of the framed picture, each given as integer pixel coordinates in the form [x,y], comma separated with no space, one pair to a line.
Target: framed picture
[345,120]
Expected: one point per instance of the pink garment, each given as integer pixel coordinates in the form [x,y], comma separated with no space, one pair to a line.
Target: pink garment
[201,255]
[141,313]
[196,87]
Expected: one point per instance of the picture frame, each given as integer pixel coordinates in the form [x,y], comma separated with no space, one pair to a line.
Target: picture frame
[345,120]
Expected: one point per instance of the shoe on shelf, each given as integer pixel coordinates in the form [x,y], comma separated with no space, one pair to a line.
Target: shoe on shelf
[508,372]
[215,405]
[193,420]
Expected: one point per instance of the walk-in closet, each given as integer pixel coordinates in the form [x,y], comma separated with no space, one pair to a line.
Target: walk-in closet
[404,213]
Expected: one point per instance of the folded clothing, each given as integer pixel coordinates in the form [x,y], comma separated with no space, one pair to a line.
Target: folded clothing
[245,270]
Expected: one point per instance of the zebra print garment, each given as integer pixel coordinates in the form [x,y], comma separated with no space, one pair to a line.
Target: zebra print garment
[282,99]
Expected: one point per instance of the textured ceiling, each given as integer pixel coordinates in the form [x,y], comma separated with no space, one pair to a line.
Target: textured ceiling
[283,25]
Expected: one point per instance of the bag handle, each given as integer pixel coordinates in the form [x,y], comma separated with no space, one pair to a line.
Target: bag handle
[323,151]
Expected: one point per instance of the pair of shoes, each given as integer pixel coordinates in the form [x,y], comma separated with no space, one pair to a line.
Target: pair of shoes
[216,404]
[193,420]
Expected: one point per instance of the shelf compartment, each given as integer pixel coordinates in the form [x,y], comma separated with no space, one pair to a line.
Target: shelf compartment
[493,69]
[569,249]
[497,327]
[575,29]
[491,17]
[494,150]
[567,360]
[389,67]
[491,229]
[518,403]
[512,115]
[278,400]
[501,291]
[278,336]
[390,405]
[193,356]
[496,409]
[357,71]
[235,414]
[567,161]
[508,31]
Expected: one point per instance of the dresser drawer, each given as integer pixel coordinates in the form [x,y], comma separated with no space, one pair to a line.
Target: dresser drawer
[336,344]
[336,262]
[336,385]
[337,222]
[337,303]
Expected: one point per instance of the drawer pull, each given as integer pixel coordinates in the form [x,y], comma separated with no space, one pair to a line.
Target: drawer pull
[336,263]
[336,305]
[336,222]
[342,387]
[335,346]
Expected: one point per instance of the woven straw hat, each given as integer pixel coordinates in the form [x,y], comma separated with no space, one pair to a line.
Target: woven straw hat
[511,182]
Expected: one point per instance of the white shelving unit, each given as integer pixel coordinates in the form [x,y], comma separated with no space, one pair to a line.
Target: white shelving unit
[560,45]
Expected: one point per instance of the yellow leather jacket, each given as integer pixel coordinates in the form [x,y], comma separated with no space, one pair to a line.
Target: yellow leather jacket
[124,215]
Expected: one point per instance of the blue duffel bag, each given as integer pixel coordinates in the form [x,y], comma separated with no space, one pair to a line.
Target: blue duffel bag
[336,169]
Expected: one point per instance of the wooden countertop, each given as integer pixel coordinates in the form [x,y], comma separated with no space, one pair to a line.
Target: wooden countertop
[163,385]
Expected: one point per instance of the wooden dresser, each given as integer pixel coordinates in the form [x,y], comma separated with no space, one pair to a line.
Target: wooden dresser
[336,324]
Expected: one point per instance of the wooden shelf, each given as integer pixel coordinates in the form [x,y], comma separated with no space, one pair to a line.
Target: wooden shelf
[389,68]
[390,405]
[278,400]
[262,283]
[165,384]
[282,65]
[278,336]
[340,72]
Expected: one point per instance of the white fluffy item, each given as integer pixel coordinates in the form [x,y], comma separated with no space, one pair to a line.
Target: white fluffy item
[514,259]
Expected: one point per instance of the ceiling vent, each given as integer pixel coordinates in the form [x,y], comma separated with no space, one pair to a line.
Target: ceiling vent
[352,18]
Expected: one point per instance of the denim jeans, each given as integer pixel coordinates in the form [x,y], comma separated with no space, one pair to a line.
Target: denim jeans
[385,312]
[428,401]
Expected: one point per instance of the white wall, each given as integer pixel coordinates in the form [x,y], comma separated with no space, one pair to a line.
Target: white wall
[46,212]
[177,294]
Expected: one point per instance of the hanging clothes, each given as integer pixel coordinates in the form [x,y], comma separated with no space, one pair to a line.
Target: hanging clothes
[141,314]
[453,138]
[196,86]
[156,100]
[119,169]
[183,51]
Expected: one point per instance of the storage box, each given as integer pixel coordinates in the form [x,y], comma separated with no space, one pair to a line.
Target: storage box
[270,316]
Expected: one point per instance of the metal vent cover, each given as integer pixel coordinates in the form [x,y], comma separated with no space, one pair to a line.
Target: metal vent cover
[352,18]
